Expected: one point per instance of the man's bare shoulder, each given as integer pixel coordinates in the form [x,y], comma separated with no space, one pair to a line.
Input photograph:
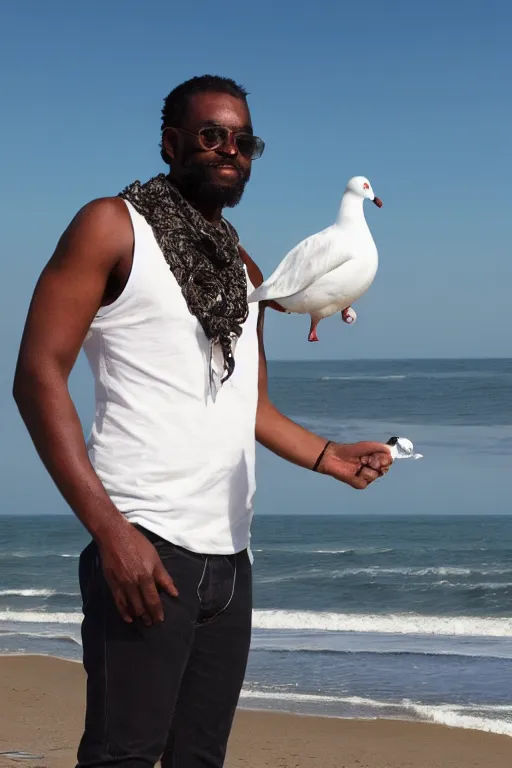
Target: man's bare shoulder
[105,213]
[101,230]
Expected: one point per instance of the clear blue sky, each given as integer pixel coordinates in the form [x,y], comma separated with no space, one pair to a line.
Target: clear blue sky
[416,96]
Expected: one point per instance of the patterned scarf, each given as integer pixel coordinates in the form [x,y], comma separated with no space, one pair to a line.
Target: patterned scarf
[203,258]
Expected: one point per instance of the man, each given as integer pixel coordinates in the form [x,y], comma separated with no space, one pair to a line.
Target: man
[153,283]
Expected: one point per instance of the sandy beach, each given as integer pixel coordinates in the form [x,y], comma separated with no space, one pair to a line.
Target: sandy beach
[42,702]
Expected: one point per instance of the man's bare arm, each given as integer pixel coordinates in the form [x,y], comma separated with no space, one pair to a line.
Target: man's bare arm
[68,295]
[276,431]
[357,464]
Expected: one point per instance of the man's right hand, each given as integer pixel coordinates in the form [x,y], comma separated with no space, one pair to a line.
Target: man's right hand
[356,464]
[134,573]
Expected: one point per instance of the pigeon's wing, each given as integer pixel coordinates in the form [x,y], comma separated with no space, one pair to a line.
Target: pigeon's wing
[313,257]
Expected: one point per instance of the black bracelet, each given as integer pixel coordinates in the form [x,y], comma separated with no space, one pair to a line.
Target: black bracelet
[321,455]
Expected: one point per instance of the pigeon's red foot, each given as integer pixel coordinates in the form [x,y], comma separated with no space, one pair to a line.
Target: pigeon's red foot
[348,316]
[312,334]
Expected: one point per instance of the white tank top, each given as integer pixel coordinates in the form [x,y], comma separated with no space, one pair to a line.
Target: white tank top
[169,457]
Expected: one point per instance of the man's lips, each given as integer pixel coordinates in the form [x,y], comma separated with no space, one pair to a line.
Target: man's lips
[227,168]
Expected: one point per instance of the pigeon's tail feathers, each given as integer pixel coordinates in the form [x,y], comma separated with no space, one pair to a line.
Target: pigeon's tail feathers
[261,295]
[266,292]
[254,296]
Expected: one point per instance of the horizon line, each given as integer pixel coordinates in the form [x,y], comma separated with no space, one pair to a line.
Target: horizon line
[381,359]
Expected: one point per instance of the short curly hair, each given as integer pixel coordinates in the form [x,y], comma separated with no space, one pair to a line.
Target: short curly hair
[175,104]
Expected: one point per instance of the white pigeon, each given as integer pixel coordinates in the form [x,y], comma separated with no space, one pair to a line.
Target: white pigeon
[328,271]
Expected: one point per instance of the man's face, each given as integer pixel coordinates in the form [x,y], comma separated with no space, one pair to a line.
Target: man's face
[212,177]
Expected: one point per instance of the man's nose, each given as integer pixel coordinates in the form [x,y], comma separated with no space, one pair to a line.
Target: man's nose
[229,146]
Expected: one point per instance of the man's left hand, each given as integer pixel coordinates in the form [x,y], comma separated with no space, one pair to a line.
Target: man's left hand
[357,464]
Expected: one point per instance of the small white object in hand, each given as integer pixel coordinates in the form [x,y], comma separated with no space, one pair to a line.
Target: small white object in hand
[402,448]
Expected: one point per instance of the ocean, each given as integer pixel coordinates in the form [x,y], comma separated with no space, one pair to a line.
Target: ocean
[395,602]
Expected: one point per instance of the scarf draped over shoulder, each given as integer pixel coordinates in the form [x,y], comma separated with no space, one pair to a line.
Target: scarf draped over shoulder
[203,258]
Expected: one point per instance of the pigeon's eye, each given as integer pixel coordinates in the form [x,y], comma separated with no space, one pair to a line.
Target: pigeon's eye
[366,186]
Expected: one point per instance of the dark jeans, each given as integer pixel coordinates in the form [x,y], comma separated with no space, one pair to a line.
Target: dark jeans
[168,691]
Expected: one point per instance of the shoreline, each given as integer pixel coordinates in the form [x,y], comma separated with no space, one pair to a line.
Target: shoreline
[292,711]
[42,705]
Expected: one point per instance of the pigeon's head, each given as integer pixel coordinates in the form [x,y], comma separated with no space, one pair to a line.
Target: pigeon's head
[361,187]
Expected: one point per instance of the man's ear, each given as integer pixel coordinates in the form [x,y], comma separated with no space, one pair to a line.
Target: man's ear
[169,140]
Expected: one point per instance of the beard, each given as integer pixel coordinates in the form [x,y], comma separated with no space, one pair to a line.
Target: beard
[196,183]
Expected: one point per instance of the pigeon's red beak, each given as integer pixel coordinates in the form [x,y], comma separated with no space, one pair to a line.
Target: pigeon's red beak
[378,202]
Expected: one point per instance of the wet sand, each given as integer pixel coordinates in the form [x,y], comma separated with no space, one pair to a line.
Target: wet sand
[42,706]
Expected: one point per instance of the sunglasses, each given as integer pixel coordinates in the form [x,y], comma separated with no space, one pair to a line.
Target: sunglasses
[212,137]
